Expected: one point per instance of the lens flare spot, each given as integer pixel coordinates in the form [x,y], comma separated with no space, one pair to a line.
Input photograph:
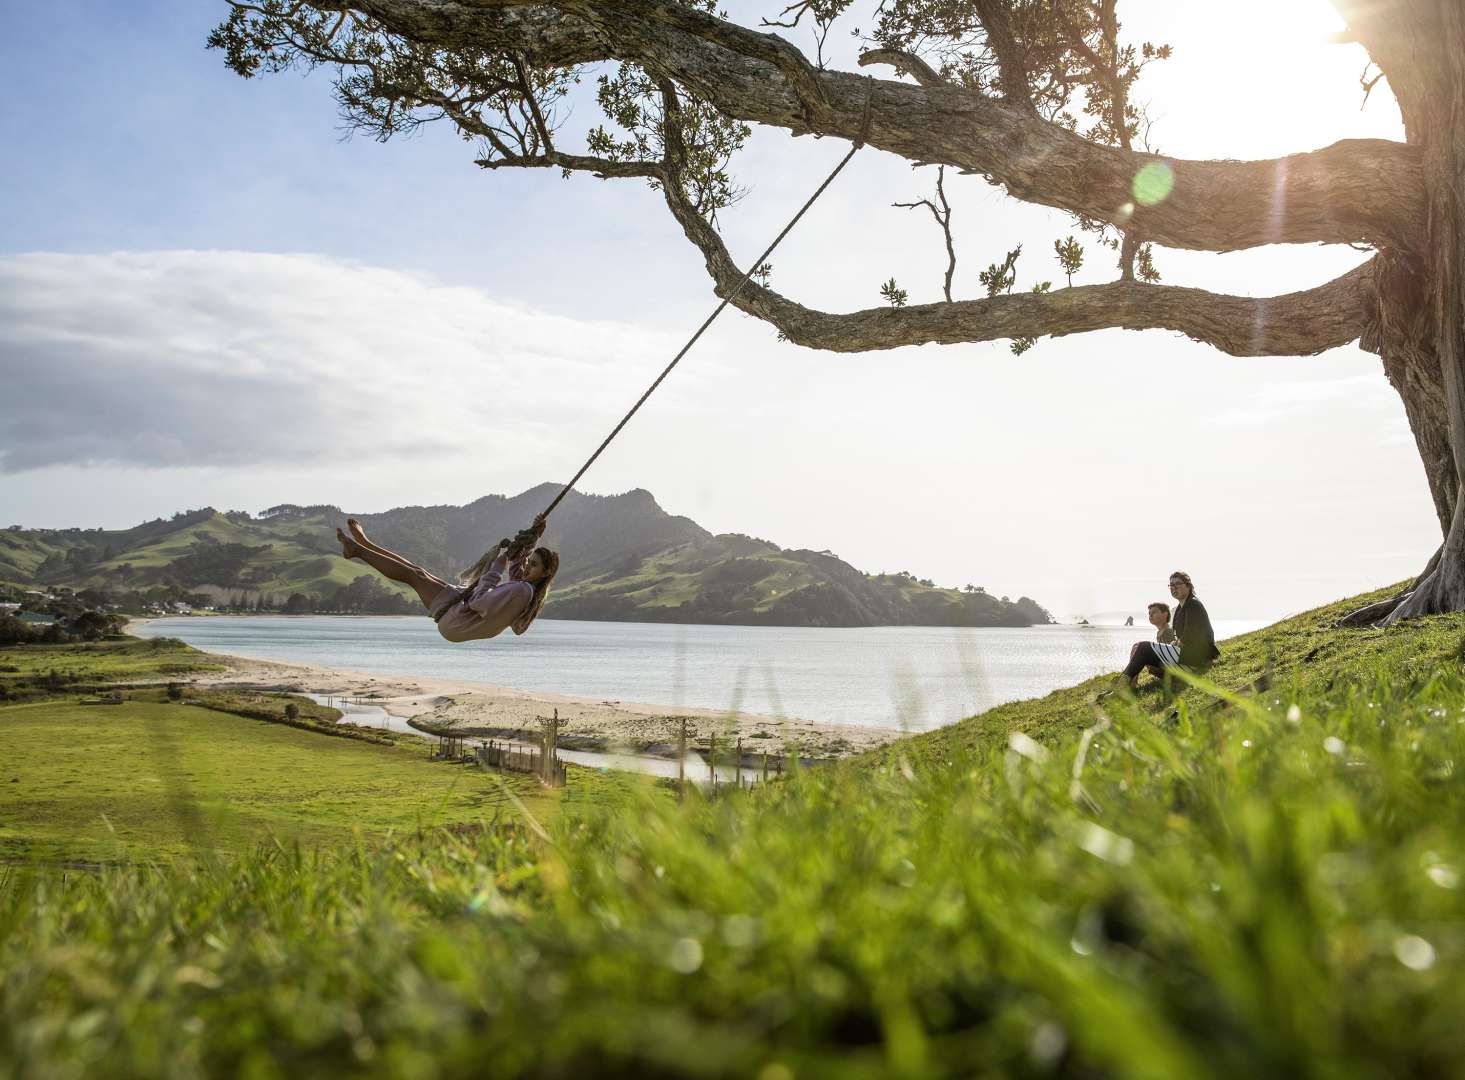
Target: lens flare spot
[1153,183]
[1124,213]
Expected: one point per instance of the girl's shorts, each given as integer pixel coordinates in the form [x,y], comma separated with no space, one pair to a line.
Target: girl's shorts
[444,600]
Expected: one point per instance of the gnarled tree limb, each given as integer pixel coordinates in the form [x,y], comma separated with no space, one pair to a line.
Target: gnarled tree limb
[904,62]
[1298,324]
[1356,191]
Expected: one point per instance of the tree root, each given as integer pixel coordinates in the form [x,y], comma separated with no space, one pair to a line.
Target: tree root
[1387,612]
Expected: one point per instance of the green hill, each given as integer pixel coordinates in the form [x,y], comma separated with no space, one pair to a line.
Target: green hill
[623,558]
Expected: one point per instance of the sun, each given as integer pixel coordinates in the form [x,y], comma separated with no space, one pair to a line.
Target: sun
[1256,78]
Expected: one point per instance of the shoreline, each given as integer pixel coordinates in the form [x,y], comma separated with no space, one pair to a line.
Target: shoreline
[484,710]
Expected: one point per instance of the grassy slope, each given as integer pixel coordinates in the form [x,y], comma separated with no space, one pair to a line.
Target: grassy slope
[1303,653]
[676,576]
[1268,886]
[293,564]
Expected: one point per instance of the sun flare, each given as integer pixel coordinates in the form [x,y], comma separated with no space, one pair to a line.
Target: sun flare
[1265,77]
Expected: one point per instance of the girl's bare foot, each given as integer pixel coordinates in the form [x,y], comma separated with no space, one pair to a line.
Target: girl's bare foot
[350,549]
[357,533]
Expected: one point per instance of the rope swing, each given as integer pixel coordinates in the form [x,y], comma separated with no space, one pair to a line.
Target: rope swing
[733,295]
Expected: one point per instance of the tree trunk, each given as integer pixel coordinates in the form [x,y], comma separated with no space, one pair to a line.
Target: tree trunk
[1421,316]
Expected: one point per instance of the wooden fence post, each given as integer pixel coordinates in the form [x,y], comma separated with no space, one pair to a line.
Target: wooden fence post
[551,748]
[738,763]
[682,758]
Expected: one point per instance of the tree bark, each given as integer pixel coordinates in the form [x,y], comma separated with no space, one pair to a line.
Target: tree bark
[1421,331]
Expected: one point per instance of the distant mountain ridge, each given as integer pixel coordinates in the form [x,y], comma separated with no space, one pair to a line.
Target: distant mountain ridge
[622,557]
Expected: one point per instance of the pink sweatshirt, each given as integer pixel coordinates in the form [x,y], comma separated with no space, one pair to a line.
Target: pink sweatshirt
[486,609]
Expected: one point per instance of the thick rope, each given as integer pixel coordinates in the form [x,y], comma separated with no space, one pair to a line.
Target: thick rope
[747,276]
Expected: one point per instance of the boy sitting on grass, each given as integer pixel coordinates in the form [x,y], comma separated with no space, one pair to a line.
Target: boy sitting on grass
[1164,636]
[1160,620]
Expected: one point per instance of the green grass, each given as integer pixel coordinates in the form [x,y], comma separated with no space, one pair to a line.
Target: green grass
[151,779]
[1301,654]
[1261,884]
[216,773]
[25,670]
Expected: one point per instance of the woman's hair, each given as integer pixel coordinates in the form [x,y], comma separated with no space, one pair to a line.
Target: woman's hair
[551,562]
[1183,576]
[1158,606]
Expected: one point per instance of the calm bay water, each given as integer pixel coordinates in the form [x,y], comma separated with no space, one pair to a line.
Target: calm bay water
[883,676]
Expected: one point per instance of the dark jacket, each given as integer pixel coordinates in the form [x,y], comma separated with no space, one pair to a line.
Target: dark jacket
[1197,640]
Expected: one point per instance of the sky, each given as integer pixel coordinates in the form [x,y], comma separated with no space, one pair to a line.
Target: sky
[209,295]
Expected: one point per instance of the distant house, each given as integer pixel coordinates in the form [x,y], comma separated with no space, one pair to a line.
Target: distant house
[9,609]
[31,618]
[182,608]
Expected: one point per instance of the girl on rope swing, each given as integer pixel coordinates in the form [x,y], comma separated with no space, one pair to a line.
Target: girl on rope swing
[484,604]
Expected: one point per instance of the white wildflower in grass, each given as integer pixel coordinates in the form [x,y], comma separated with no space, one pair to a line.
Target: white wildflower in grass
[1294,715]
[685,955]
[1446,877]
[1048,1044]
[1334,745]
[1414,953]
[1109,846]
[1441,873]
[1027,746]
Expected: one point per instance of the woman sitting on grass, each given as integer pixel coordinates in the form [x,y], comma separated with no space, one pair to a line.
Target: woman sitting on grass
[484,605]
[1194,645]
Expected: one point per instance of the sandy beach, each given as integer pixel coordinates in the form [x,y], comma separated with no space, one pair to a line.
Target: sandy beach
[484,710]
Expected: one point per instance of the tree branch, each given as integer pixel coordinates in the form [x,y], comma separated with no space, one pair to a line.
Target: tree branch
[942,214]
[904,62]
[604,168]
[1011,65]
[1298,324]
[1363,191]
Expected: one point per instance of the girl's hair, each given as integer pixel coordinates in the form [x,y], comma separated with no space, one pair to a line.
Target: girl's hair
[551,562]
[1183,576]
[1157,606]
[470,576]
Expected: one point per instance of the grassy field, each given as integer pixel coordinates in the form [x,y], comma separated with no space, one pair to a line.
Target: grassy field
[153,779]
[1226,884]
[130,660]
[149,780]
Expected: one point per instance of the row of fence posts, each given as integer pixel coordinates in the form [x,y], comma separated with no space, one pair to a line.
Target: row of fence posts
[337,702]
[712,780]
[544,763]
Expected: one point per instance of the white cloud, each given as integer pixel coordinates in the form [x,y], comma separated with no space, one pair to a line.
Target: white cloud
[226,358]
